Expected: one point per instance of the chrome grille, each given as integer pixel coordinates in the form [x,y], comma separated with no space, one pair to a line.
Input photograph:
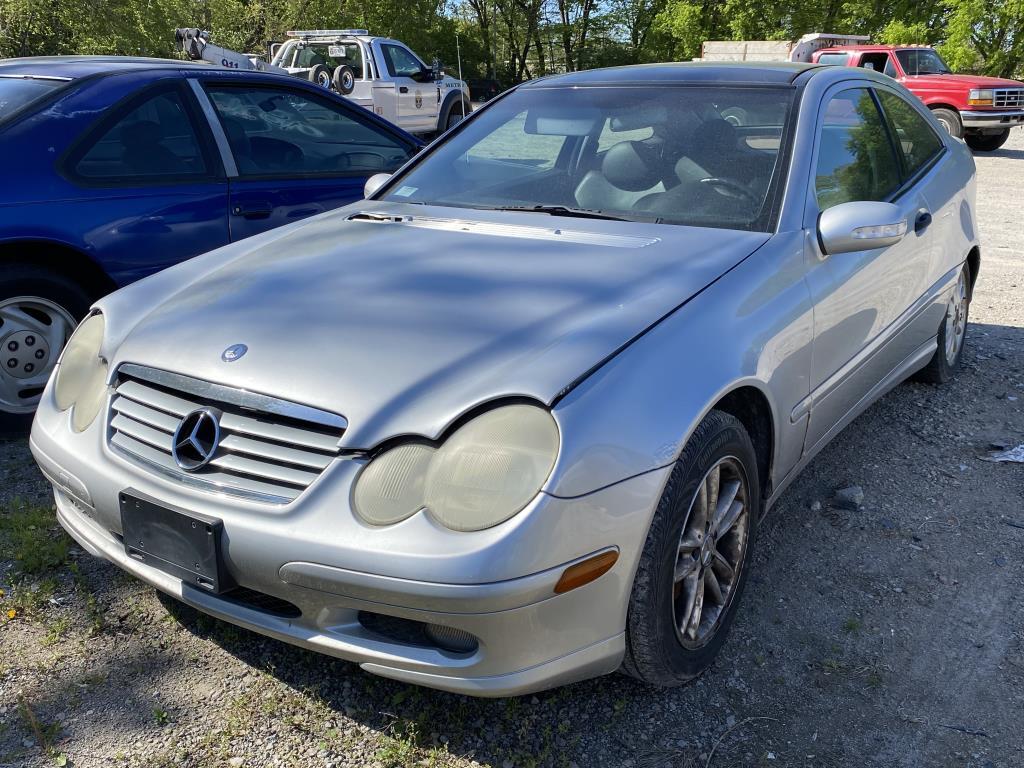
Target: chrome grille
[270,450]
[1010,98]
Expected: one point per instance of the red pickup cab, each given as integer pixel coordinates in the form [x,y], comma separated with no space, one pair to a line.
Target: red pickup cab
[981,110]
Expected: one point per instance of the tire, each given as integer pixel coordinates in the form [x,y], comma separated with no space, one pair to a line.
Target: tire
[950,120]
[38,311]
[343,79]
[987,142]
[951,335]
[453,115]
[657,652]
[320,75]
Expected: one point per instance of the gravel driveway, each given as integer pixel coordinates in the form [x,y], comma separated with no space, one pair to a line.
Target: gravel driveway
[887,635]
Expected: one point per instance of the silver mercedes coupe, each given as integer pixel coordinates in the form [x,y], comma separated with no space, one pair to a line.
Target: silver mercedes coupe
[512,421]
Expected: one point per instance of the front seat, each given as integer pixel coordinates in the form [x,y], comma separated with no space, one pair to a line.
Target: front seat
[629,171]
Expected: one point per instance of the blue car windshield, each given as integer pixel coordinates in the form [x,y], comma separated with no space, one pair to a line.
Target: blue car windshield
[16,92]
[697,155]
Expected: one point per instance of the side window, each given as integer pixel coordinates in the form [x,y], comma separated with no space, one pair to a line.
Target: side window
[855,159]
[400,62]
[279,131]
[532,150]
[154,140]
[890,68]
[915,137]
[833,58]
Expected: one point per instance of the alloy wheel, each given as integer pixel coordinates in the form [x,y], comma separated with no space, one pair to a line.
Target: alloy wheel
[33,331]
[956,319]
[711,550]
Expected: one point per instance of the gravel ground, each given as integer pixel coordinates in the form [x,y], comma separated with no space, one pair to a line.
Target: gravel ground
[889,635]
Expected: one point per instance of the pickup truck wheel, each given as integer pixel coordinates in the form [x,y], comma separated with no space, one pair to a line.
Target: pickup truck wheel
[38,311]
[320,75]
[454,115]
[949,120]
[986,142]
[343,79]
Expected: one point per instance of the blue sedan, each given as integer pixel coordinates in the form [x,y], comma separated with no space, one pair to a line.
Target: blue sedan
[119,167]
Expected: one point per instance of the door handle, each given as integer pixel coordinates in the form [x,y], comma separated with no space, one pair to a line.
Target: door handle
[254,211]
[922,221]
[403,89]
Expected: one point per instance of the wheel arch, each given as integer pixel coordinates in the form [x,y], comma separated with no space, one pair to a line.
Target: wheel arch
[974,263]
[751,407]
[450,101]
[61,258]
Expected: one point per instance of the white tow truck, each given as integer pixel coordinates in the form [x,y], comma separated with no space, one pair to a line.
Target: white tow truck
[378,73]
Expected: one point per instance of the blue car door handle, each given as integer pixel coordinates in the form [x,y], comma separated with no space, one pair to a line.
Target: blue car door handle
[253,210]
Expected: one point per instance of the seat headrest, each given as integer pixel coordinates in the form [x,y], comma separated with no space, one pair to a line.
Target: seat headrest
[631,165]
[718,135]
[140,134]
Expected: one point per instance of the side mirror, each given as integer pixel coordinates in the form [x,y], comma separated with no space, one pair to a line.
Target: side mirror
[437,70]
[374,183]
[860,226]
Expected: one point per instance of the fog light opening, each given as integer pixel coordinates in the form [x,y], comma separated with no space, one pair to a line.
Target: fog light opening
[451,639]
[587,571]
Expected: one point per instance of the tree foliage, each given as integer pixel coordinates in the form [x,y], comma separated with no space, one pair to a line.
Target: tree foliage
[519,39]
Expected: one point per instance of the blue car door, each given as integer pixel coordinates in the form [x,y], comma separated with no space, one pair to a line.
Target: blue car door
[146,186]
[296,152]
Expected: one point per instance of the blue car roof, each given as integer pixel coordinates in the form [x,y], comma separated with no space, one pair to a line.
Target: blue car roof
[768,72]
[73,67]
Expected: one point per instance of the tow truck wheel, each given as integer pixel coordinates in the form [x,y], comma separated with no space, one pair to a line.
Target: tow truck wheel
[344,79]
[38,311]
[949,120]
[320,75]
[987,142]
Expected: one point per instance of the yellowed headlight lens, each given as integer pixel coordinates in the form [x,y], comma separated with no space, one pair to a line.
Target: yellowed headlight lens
[78,363]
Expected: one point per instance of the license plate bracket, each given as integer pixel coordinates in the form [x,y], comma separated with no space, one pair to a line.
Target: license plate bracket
[184,545]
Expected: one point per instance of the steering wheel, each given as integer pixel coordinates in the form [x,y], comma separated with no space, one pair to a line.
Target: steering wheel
[737,189]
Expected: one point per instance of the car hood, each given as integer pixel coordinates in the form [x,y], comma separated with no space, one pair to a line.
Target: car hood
[404,317]
[957,82]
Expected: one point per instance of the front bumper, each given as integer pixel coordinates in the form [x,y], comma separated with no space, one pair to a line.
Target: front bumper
[992,119]
[496,585]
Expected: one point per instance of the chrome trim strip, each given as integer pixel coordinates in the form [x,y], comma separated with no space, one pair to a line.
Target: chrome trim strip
[198,483]
[219,137]
[232,396]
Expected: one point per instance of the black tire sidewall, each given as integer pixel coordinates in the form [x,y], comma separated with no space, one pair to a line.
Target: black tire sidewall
[18,280]
[338,79]
[987,142]
[666,661]
[948,116]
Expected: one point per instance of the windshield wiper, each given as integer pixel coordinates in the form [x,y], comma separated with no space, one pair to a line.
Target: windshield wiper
[562,210]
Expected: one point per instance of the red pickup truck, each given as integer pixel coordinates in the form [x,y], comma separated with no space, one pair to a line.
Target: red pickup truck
[981,110]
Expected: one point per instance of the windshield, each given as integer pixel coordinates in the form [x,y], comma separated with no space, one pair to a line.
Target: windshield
[16,92]
[703,156]
[922,61]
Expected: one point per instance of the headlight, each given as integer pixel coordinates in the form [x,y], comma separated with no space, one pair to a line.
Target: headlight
[82,374]
[980,97]
[482,475]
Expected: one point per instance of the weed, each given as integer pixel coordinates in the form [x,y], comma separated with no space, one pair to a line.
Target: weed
[56,630]
[852,624]
[161,716]
[30,536]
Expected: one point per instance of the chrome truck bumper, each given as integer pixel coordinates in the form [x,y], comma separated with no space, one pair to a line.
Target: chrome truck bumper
[992,119]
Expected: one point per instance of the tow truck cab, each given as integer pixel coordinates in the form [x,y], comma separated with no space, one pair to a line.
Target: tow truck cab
[981,110]
[385,76]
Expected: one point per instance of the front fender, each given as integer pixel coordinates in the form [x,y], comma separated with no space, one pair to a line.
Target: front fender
[752,327]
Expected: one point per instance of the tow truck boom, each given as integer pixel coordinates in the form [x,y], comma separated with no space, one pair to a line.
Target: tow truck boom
[197,46]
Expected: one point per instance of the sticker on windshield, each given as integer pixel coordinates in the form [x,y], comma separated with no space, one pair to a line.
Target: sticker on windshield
[405,191]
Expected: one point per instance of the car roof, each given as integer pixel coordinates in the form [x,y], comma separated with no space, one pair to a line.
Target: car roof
[73,67]
[767,72]
[842,48]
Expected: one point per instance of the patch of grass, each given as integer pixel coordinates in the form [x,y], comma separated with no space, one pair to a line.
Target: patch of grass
[28,599]
[45,733]
[161,716]
[31,537]
[56,630]
[852,625]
